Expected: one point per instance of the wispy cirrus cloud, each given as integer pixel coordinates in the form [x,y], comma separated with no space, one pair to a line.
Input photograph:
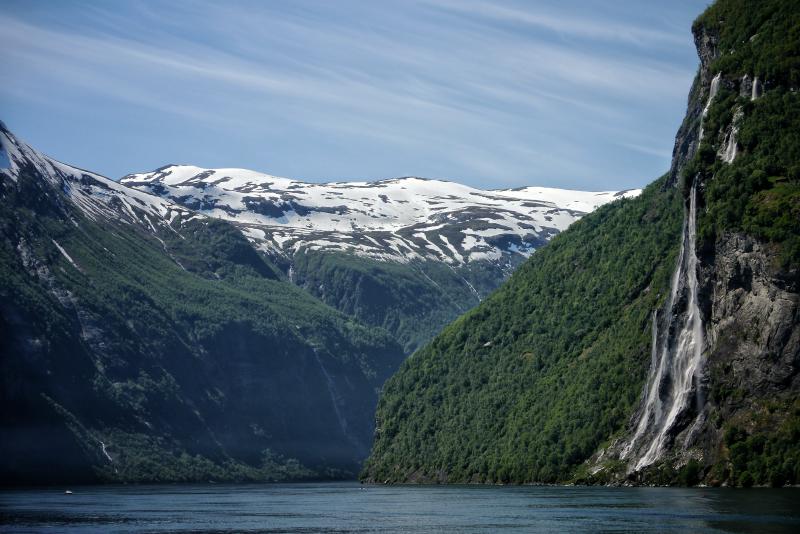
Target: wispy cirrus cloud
[571,24]
[482,92]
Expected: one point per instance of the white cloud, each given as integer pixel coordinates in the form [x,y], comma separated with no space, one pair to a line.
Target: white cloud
[442,80]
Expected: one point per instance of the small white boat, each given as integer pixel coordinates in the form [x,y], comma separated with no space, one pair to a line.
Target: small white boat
[68,492]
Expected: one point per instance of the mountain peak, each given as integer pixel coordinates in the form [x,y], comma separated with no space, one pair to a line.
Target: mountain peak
[397,219]
[95,195]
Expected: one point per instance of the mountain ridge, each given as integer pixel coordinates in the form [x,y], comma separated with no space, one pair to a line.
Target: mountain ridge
[606,360]
[142,342]
[358,216]
[423,267]
[405,254]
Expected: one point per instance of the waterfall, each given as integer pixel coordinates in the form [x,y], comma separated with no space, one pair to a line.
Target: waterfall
[105,452]
[756,91]
[677,351]
[336,400]
[731,150]
[712,92]
[677,361]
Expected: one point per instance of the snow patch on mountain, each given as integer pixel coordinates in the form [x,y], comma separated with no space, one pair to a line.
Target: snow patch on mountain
[96,196]
[401,219]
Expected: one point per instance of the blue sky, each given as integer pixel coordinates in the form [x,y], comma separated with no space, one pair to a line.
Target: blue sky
[558,93]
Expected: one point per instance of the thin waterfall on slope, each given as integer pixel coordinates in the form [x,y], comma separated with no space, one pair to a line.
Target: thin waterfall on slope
[336,401]
[712,92]
[658,366]
[677,361]
[731,149]
[677,358]
[756,90]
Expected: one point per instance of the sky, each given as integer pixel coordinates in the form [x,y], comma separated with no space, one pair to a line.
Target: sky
[494,94]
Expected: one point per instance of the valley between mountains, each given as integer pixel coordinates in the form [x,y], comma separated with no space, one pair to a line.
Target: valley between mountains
[408,254]
[190,325]
[657,340]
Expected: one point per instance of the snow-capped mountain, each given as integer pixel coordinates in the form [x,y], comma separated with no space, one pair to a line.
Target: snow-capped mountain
[138,337]
[96,196]
[408,255]
[400,219]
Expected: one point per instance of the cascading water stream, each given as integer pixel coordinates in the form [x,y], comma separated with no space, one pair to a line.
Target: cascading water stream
[756,90]
[731,148]
[336,401]
[712,92]
[676,361]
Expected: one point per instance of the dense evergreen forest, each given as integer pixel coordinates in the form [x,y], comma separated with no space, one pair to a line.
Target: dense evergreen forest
[530,383]
[140,351]
[547,372]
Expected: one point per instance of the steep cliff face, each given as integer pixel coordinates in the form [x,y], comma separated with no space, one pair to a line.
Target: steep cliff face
[408,255]
[721,401]
[744,390]
[749,171]
[142,342]
[753,334]
[686,140]
[673,364]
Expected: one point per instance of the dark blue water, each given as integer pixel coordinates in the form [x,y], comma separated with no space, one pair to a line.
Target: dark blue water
[349,507]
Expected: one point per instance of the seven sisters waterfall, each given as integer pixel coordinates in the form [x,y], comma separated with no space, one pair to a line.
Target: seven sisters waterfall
[677,354]
[677,360]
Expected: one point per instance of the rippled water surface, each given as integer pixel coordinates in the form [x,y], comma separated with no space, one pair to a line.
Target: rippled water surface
[350,507]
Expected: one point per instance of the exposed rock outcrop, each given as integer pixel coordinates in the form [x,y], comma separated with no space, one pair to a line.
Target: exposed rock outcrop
[687,138]
[750,313]
[753,334]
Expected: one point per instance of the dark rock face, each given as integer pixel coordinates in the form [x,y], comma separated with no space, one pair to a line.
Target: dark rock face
[136,350]
[756,305]
[750,307]
[687,138]
[753,338]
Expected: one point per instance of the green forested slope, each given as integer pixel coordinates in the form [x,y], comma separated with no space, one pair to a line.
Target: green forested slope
[760,192]
[548,370]
[413,301]
[168,354]
[528,384]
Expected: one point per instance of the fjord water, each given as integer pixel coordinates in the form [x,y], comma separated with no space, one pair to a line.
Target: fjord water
[350,507]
